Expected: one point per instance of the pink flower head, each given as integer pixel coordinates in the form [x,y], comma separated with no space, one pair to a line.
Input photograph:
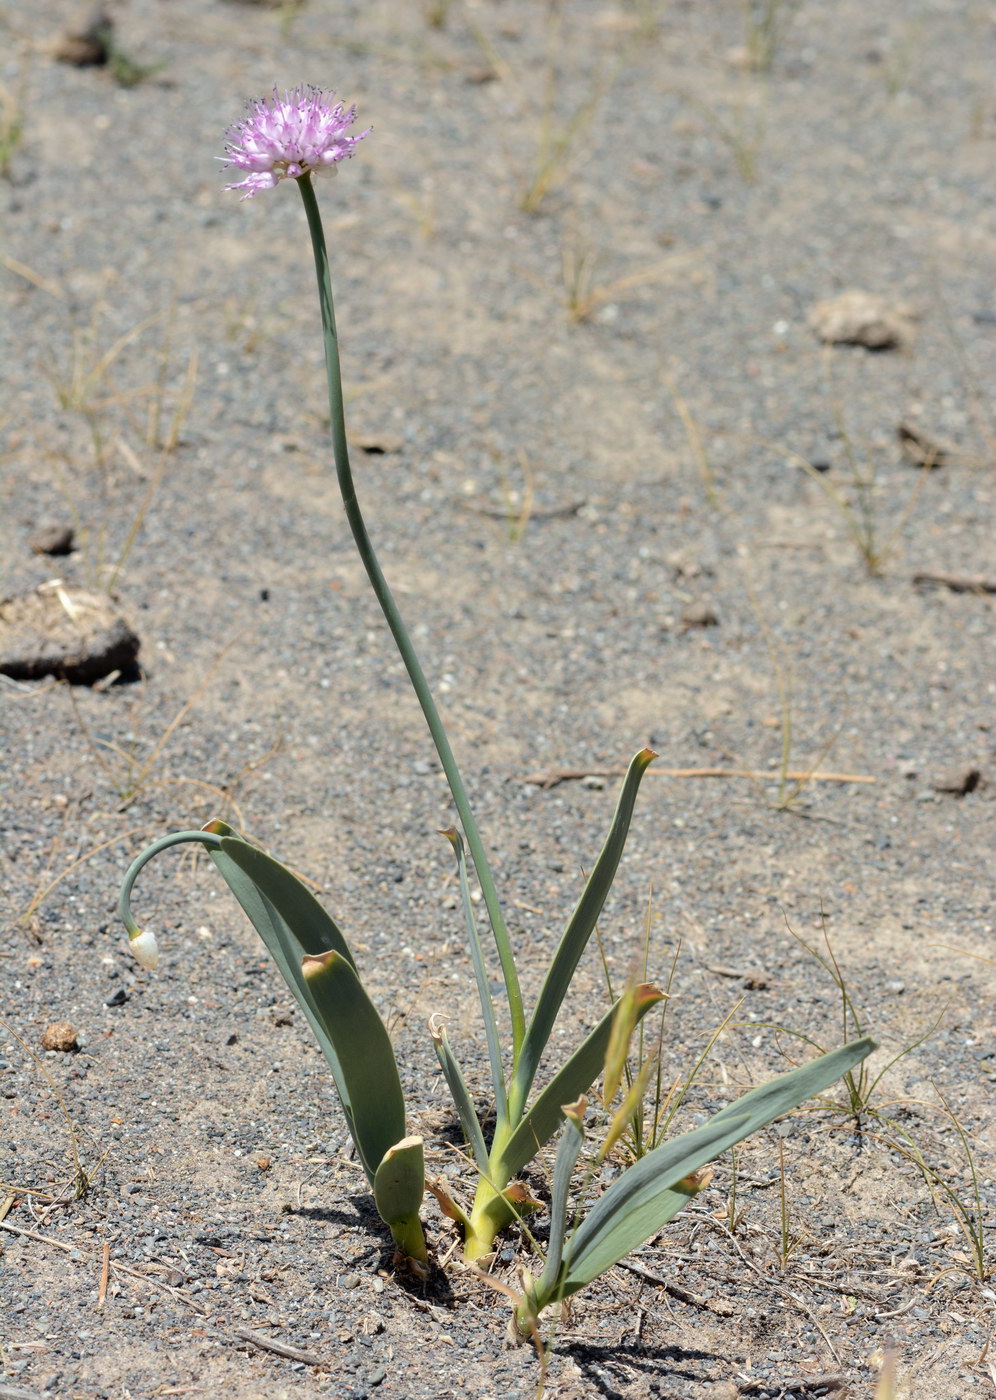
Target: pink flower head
[303,133]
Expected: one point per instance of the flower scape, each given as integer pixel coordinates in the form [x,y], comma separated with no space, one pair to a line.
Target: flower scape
[302,133]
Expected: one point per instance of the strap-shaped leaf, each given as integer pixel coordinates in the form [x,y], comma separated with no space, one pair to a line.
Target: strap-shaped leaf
[575,1078]
[481,975]
[636,1205]
[399,1185]
[460,1094]
[311,924]
[248,872]
[568,1152]
[365,1054]
[576,935]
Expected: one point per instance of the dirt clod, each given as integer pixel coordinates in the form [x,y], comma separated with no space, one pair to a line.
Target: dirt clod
[60,1035]
[86,40]
[69,633]
[863,318]
[699,614]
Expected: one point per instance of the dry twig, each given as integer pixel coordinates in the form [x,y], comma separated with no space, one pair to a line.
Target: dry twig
[958,583]
[721,1306]
[104,1272]
[15,1392]
[259,1339]
[553,776]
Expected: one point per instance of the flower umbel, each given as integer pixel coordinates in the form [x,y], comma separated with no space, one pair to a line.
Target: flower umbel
[302,133]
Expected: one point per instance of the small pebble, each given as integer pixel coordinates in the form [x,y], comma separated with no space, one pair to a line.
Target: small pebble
[700,614]
[52,539]
[958,781]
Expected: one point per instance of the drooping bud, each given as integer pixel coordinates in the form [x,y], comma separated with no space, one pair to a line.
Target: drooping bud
[145,949]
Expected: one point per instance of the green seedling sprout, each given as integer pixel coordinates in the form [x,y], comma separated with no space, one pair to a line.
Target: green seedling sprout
[559,139]
[766,23]
[297,137]
[11,127]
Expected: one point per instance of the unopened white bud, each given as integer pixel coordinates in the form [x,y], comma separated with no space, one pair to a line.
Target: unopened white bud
[146,950]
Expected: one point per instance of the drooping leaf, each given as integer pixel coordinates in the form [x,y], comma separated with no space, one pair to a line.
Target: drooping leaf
[249,874]
[310,922]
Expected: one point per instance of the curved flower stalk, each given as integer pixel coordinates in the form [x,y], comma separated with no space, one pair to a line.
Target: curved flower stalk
[318,966]
[301,135]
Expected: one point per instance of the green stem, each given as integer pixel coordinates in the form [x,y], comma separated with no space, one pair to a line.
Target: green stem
[394,620]
[175,838]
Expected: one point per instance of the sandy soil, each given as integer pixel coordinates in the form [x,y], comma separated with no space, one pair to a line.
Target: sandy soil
[580,432]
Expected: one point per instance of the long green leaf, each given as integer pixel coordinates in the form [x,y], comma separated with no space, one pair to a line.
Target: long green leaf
[576,936]
[576,1077]
[365,1052]
[630,1212]
[313,927]
[245,869]
[460,1095]
[567,1156]
[481,975]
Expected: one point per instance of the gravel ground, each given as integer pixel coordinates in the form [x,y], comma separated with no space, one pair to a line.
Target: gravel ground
[626,497]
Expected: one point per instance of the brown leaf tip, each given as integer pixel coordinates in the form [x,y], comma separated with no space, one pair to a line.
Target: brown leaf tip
[403,1146]
[312,964]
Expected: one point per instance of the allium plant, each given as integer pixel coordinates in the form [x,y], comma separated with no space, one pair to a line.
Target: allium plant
[297,137]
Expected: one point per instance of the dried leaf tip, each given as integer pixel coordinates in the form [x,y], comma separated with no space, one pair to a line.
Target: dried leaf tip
[575,1112]
[312,964]
[402,1146]
[696,1181]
